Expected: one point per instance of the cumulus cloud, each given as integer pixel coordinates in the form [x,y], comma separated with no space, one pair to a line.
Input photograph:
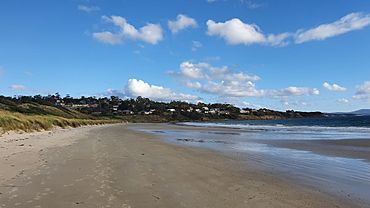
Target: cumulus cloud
[363,91]
[235,31]
[150,33]
[293,91]
[136,88]
[221,81]
[364,88]
[203,70]
[343,100]
[333,87]
[348,23]
[232,89]
[18,87]
[182,22]
[88,9]
[224,82]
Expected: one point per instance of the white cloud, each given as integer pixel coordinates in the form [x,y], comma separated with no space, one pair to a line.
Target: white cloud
[251,105]
[150,33]
[279,39]
[348,23]
[220,81]
[196,45]
[193,85]
[232,89]
[235,31]
[250,4]
[290,104]
[224,82]
[364,88]
[136,88]
[18,87]
[203,70]
[88,9]
[333,87]
[182,22]
[343,100]
[192,71]
[113,92]
[294,91]
[363,91]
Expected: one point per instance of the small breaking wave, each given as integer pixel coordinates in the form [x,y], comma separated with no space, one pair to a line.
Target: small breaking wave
[280,127]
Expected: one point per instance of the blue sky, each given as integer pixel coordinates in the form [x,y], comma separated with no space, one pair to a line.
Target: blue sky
[303,55]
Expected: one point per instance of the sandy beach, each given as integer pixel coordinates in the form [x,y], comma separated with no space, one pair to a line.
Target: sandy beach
[116,166]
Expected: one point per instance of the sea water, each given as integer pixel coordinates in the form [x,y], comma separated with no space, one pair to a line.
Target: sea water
[344,176]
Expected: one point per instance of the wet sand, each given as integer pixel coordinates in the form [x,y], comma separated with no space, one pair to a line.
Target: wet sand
[351,148]
[115,166]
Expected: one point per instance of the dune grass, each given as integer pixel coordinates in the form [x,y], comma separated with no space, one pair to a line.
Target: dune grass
[12,121]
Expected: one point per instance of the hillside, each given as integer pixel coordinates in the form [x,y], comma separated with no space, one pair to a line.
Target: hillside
[33,108]
[44,112]
[361,112]
[34,117]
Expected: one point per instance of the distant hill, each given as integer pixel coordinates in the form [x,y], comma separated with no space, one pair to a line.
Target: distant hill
[361,112]
[32,116]
[40,109]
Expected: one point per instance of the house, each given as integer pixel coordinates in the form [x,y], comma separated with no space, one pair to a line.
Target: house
[205,108]
[190,109]
[60,103]
[223,112]
[115,107]
[171,110]
[244,111]
[127,112]
[95,105]
[198,110]
[212,111]
[76,106]
[145,112]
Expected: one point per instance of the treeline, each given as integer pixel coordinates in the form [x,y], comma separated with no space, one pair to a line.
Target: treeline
[139,108]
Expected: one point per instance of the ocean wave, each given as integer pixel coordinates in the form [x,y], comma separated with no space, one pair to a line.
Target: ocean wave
[280,127]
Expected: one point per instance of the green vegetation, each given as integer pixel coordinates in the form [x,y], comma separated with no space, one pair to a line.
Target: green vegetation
[11,121]
[33,116]
[28,113]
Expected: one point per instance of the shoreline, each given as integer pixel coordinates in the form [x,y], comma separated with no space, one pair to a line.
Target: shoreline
[348,148]
[357,148]
[117,166]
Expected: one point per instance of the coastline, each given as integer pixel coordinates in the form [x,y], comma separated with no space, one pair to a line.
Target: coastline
[120,167]
[350,148]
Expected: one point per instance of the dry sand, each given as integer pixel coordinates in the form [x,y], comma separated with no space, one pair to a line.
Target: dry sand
[113,166]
